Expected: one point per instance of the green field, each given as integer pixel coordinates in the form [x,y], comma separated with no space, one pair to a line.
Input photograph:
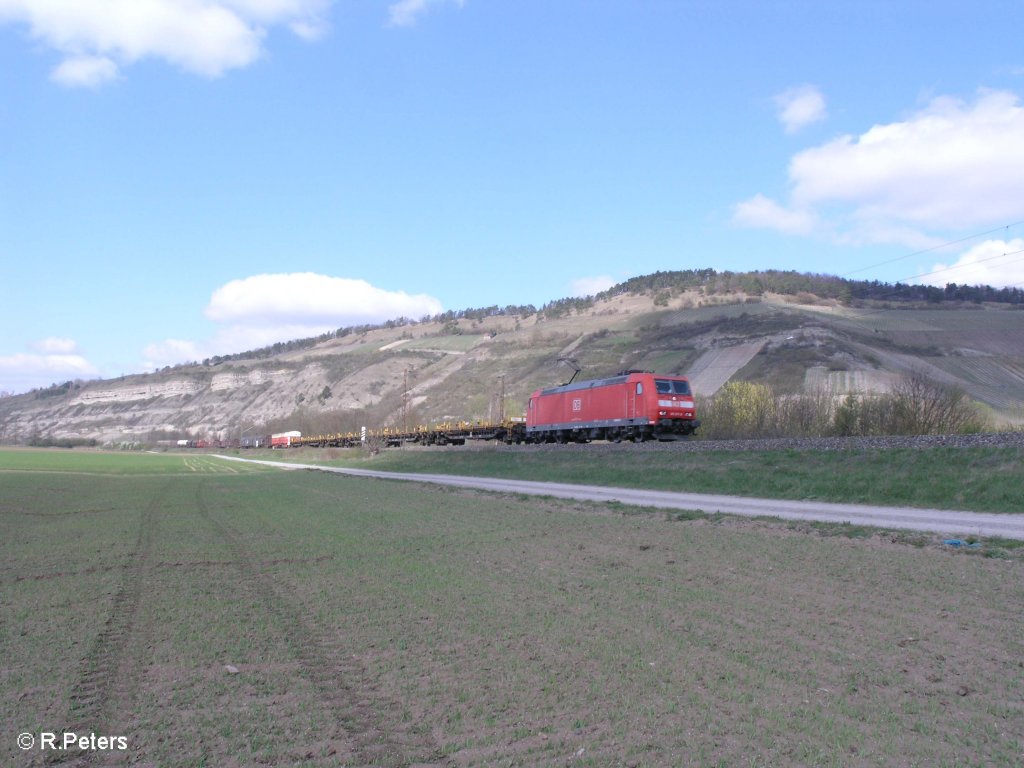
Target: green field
[379,623]
[116,463]
[973,479]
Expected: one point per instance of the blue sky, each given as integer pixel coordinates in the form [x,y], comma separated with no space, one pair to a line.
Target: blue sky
[182,178]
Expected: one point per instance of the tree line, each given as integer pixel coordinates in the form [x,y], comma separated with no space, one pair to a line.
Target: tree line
[791,283]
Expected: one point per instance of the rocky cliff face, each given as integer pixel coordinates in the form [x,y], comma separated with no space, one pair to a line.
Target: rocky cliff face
[483,368]
[187,402]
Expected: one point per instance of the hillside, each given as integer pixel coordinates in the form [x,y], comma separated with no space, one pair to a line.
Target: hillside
[819,333]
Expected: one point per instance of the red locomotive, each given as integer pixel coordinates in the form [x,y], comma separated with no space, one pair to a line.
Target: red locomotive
[634,405]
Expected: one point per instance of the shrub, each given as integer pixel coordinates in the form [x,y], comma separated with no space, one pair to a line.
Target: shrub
[846,421]
[739,409]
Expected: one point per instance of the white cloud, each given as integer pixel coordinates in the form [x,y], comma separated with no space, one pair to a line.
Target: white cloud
[257,311]
[240,338]
[56,345]
[274,11]
[999,263]
[880,233]
[950,167]
[206,37]
[310,299]
[51,365]
[309,30]
[171,352]
[588,286]
[799,107]
[761,212]
[950,163]
[405,13]
[54,361]
[87,71]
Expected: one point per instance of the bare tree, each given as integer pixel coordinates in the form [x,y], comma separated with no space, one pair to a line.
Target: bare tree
[922,406]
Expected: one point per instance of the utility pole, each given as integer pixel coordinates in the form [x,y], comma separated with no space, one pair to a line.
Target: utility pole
[405,401]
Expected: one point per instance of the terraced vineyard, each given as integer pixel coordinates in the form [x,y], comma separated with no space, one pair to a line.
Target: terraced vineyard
[996,380]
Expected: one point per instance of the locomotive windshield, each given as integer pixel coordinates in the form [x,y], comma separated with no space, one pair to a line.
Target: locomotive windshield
[669,387]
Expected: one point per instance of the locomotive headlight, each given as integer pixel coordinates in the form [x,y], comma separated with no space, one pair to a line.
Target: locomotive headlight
[675,403]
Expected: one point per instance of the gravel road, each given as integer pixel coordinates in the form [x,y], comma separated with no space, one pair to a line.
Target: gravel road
[941,521]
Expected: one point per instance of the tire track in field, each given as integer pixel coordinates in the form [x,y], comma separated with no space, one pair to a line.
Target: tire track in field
[340,680]
[106,671]
[156,566]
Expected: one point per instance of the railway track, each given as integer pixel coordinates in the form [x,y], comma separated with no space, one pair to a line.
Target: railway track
[980,440]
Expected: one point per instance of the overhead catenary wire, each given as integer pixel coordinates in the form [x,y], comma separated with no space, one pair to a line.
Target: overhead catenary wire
[940,246]
[963,266]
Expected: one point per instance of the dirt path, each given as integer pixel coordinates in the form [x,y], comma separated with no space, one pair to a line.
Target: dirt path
[936,520]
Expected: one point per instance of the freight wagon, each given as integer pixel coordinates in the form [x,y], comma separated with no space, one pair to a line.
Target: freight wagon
[634,405]
[284,439]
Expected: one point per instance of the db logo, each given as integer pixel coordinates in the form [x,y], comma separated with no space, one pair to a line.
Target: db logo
[577,404]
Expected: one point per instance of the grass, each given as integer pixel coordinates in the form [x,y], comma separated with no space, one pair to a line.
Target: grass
[455,343]
[975,479]
[116,463]
[384,623]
